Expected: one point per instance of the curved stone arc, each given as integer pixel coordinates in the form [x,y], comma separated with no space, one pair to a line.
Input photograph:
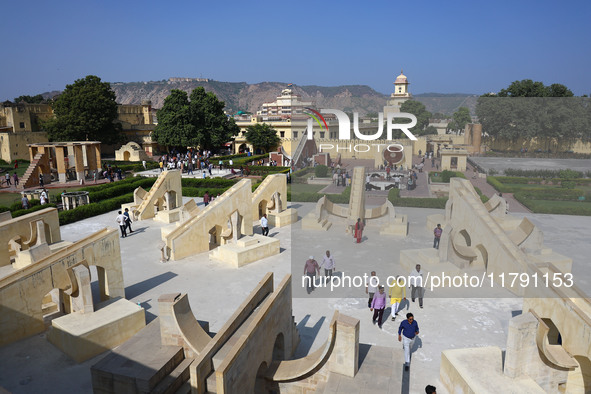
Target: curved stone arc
[555,354]
[302,368]
[194,335]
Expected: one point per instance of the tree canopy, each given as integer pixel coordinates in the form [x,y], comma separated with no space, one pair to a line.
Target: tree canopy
[460,119]
[200,121]
[86,110]
[528,109]
[529,88]
[419,110]
[262,136]
[37,99]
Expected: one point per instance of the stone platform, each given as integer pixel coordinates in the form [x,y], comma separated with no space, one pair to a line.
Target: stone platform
[246,250]
[85,335]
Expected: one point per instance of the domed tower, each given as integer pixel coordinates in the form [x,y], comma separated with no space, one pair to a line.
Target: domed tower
[400,95]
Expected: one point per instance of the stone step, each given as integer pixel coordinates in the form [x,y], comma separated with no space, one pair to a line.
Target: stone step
[172,382]
[185,388]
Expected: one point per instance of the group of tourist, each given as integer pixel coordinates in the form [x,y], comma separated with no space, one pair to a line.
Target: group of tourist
[10,180]
[124,222]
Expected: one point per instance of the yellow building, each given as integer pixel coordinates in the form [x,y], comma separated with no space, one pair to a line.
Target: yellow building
[20,125]
[137,122]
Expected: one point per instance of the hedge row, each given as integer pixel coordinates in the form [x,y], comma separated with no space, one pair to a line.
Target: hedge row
[549,193]
[200,192]
[537,206]
[22,212]
[446,175]
[120,189]
[207,182]
[94,209]
[397,201]
[263,170]
[342,198]
[539,173]
[483,198]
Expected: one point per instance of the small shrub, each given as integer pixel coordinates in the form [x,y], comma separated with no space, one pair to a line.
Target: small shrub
[320,171]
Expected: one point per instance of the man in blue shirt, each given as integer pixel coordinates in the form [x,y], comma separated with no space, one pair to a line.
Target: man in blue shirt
[407,332]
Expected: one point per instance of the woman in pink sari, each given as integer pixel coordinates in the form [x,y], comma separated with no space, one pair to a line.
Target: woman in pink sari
[359,230]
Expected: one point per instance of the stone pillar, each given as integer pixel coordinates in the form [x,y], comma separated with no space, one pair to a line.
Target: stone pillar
[522,357]
[79,158]
[90,158]
[97,155]
[83,301]
[61,165]
[344,358]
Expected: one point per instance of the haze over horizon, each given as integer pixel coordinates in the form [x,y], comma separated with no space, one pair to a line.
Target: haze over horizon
[463,47]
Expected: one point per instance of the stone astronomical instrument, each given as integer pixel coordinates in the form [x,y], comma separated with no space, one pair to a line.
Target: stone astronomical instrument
[394,155]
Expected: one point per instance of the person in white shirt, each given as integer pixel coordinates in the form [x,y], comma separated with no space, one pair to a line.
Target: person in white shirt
[43,197]
[121,220]
[328,264]
[416,284]
[371,287]
[265,225]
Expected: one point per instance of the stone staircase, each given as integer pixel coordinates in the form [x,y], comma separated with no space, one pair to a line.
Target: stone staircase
[143,364]
[28,180]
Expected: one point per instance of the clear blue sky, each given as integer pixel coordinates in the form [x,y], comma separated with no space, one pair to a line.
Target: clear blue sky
[444,46]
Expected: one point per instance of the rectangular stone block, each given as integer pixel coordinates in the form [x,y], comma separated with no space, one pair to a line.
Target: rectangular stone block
[85,335]
[285,218]
[254,248]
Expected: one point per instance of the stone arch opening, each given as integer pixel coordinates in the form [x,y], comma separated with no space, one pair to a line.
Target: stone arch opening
[482,257]
[465,238]
[54,304]
[215,237]
[171,199]
[126,155]
[243,148]
[262,208]
[260,385]
[554,336]
[279,348]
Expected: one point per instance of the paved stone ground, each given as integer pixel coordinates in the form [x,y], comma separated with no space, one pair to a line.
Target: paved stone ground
[502,163]
[215,290]
[514,205]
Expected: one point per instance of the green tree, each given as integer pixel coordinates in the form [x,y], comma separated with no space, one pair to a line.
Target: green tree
[37,99]
[461,118]
[262,136]
[419,110]
[86,110]
[174,127]
[199,122]
[529,88]
[213,127]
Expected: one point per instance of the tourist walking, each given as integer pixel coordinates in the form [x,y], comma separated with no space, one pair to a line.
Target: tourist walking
[310,270]
[41,180]
[122,225]
[328,264]
[265,225]
[7,177]
[206,198]
[127,220]
[15,177]
[416,284]
[397,294]
[358,234]
[437,233]
[407,332]
[378,304]
[371,287]
[43,197]
[25,202]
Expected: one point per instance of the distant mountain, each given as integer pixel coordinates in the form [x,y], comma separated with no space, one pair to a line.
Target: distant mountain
[241,96]
[249,97]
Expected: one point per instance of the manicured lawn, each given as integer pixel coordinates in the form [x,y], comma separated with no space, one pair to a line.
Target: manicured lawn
[582,208]
[306,188]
